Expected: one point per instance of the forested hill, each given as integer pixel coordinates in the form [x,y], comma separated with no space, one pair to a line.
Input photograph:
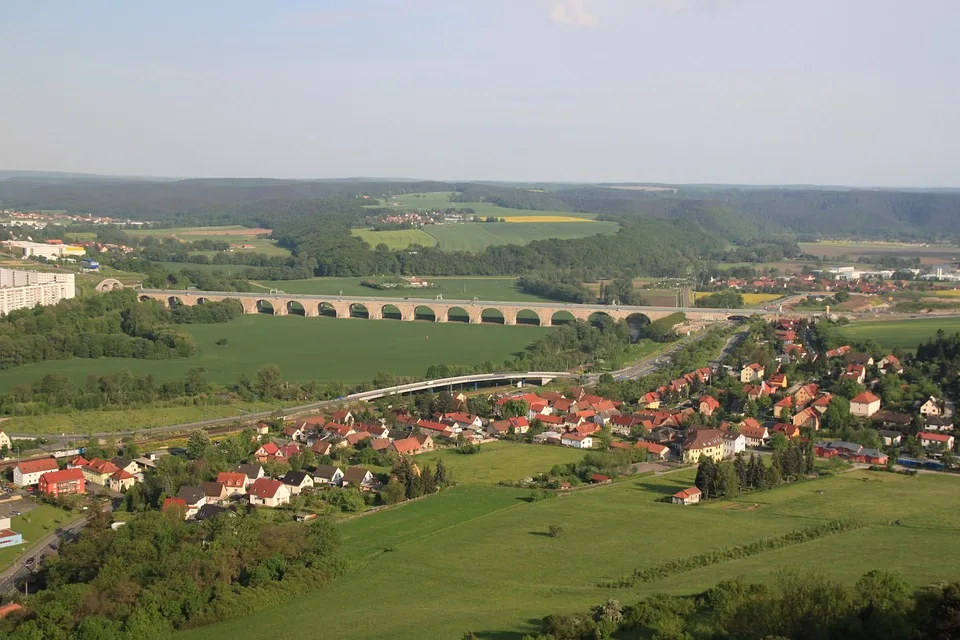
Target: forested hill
[735,213]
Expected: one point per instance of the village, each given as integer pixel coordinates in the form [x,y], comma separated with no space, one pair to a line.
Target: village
[790,395]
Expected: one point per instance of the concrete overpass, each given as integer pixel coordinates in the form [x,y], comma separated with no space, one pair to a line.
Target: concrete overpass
[436,309]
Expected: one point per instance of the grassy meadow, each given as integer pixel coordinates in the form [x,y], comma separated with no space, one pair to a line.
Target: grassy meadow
[500,289]
[348,350]
[749,299]
[501,461]
[475,237]
[906,334]
[395,239]
[478,558]
[440,200]
[234,234]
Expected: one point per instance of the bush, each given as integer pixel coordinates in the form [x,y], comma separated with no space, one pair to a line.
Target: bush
[555,530]
[222,341]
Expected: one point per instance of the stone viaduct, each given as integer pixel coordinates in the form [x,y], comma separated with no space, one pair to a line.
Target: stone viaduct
[544,314]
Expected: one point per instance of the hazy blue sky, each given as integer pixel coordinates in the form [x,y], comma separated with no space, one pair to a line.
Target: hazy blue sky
[860,92]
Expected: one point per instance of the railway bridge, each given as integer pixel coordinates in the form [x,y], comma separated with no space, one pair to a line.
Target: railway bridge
[544,314]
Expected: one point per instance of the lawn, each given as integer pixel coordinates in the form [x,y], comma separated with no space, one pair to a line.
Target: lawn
[501,289]
[397,239]
[348,350]
[476,236]
[34,525]
[477,558]
[906,334]
[502,461]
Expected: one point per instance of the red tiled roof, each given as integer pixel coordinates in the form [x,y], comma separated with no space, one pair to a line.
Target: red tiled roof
[269,449]
[265,488]
[865,398]
[102,467]
[173,502]
[654,448]
[935,437]
[120,474]
[33,466]
[231,479]
[7,609]
[406,445]
[62,476]
[687,493]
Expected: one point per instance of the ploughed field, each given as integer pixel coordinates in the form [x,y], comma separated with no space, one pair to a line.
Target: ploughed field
[348,350]
[478,557]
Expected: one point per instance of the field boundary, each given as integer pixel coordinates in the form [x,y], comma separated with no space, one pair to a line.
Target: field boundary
[677,566]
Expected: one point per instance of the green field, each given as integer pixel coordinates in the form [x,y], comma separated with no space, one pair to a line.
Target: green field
[33,525]
[503,289]
[928,254]
[477,558]
[397,239]
[476,237]
[502,461]
[906,334]
[348,350]
[92,421]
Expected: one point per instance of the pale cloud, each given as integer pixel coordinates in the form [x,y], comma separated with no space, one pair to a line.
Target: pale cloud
[687,5]
[573,12]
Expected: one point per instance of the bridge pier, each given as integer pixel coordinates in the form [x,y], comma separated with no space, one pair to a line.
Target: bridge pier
[476,315]
[311,311]
[509,317]
[249,306]
[375,313]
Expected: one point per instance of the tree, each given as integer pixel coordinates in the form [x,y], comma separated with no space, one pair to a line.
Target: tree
[198,444]
[706,476]
[514,408]
[779,442]
[882,590]
[772,477]
[268,381]
[442,476]
[728,482]
[394,493]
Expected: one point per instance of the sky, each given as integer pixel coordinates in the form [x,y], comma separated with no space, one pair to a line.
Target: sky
[838,92]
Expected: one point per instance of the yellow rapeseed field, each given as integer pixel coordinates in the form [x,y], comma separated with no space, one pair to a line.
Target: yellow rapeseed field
[545,219]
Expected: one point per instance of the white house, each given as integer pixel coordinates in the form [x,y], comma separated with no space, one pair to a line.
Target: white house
[269,493]
[864,405]
[297,481]
[327,474]
[28,472]
[935,439]
[5,441]
[931,407]
[577,440]
[733,443]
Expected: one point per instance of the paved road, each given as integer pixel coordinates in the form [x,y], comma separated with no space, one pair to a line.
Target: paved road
[13,578]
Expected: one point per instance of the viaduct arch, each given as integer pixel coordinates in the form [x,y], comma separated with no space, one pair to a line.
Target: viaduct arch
[545,314]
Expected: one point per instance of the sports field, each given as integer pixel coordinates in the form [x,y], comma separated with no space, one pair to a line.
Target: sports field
[906,334]
[348,350]
[503,289]
[749,299]
[477,558]
[397,239]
